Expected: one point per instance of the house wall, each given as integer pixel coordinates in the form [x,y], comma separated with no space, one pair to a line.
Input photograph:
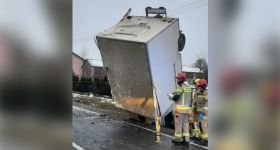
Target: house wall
[99,73]
[194,75]
[87,71]
[77,64]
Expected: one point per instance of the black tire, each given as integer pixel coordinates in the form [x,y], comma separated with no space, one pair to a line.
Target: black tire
[181,42]
[142,118]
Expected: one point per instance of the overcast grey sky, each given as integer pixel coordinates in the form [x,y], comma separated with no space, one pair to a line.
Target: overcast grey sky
[94,16]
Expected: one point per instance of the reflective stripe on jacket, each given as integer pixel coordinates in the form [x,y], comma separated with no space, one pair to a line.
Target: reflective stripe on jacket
[185,101]
[201,99]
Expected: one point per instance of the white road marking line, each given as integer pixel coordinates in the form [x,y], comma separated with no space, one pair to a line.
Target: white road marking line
[162,134]
[85,110]
[77,146]
[139,126]
[148,129]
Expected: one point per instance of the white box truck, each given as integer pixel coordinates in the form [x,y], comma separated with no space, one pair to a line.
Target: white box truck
[138,53]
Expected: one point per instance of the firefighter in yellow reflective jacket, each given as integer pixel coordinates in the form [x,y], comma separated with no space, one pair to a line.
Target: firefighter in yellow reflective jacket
[195,131]
[195,82]
[183,113]
[201,106]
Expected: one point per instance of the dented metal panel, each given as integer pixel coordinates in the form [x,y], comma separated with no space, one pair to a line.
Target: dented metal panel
[127,68]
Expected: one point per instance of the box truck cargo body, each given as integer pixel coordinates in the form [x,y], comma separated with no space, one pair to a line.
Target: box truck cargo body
[139,53]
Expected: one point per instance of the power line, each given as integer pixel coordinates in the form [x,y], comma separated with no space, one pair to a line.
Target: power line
[185,10]
[189,9]
[187,5]
[182,6]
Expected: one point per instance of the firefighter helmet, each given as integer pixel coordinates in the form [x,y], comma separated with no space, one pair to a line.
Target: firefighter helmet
[181,76]
[196,81]
[202,83]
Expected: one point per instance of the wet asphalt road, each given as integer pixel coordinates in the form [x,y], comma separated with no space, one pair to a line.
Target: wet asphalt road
[97,131]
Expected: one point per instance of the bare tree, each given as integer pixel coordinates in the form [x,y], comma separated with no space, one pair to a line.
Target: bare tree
[84,53]
[201,64]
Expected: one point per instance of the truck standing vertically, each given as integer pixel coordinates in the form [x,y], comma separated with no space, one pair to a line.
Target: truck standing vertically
[139,53]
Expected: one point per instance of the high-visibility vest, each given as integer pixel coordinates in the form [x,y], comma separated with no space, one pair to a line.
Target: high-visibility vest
[185,101]
[201,99]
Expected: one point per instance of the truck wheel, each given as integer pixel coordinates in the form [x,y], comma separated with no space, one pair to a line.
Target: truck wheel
[141,118]
[181,42]
[169,121]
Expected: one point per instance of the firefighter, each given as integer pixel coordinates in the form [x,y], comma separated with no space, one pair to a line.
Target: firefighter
[195,82]
[201,107]
[195,130]
[183,112]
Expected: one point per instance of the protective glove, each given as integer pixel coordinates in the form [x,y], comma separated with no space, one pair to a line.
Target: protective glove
[170,96]
[174,97]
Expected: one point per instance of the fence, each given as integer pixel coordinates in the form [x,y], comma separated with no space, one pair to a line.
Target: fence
[95,87]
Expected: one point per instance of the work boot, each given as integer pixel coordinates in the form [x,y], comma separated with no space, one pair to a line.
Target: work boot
[203,142]
[193,138]
[177,141]
[204,136]
[196,133]
[186,143]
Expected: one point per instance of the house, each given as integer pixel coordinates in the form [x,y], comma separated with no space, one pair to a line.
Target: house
[97,69]
[192,73]
[77,63]
[87,68]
